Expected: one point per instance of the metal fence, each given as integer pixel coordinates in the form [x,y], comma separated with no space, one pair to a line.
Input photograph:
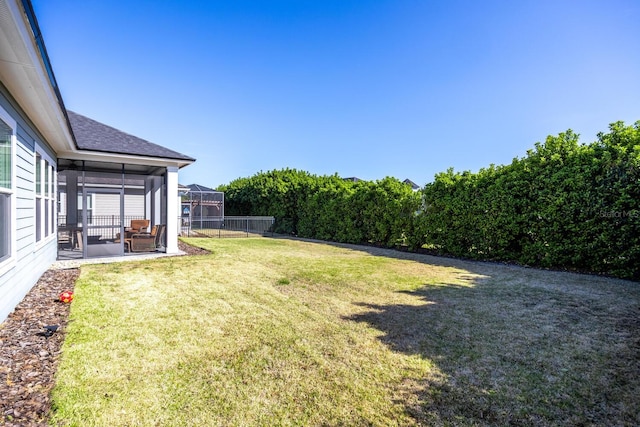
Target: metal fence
[229,226]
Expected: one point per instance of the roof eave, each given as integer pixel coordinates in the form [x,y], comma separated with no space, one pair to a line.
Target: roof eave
[100,156]
[24,74]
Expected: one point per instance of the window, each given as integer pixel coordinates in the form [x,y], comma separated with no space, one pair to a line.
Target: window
[51,201]
[6,187]
[89,208]
[38,197]
[45,200]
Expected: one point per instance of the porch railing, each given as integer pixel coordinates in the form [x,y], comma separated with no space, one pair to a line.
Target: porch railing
[103,227]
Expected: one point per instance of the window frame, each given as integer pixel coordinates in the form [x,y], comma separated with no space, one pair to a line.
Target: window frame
[10,261]
[38,196]
[44,196]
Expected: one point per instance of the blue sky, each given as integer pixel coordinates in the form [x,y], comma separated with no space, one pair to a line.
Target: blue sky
[402,88]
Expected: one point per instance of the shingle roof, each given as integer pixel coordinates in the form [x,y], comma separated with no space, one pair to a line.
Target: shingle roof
[95,136]
[201,188]
[413,185]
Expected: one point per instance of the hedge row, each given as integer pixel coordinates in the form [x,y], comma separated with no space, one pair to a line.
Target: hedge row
[564,205]
[327,207]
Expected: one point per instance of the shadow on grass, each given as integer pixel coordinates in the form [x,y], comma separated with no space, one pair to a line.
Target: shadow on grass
[515,355]
[514,345]
[424,330]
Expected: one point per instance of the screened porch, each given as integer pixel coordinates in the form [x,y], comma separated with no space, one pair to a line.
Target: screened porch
[109,209]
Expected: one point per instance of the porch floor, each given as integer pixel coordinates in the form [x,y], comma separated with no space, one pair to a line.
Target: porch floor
[73,258]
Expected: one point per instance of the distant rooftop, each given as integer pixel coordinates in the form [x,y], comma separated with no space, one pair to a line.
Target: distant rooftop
[413,185]
[201,188]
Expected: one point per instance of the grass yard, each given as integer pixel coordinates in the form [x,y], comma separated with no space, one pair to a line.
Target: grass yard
[277,332]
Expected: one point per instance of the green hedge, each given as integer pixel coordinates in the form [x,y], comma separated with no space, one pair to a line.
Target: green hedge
[564,205]
[327,207]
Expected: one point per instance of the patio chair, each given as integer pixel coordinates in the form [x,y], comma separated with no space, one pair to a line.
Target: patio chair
[127,241]
[65,239]
[78,240]
[142,242]
[162,228]
[137,226]
[145,242]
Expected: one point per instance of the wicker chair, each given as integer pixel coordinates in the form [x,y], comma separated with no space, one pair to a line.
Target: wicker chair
[142,242]
[145,242]
[138,226]
[65,239]
[160,236]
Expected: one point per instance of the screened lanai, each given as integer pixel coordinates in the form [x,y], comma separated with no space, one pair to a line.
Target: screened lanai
[202,208]
[100,203]
[117,194]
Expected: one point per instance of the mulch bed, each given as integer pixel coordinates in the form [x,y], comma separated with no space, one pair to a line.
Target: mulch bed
[29,358]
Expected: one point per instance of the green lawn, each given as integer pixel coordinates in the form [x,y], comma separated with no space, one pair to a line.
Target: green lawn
[276,332]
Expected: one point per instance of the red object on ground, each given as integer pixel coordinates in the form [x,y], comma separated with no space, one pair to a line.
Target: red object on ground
[66,296]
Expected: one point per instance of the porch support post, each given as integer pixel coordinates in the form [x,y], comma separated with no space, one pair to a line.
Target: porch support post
[72,199]
[156,200]
[153,199]
[173,210]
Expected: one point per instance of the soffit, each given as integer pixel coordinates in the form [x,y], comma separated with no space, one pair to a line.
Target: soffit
[23,73]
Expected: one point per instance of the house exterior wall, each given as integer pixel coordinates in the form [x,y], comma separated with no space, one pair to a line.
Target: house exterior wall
[31,258]
[43,136]
[109,204]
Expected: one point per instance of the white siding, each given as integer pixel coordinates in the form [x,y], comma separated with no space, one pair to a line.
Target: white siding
[106,204]
[31,260]
[25,200]
[109,204]
[134,204]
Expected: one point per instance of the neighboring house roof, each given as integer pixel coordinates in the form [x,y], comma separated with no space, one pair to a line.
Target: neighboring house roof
[413,185]
[352,179]
[201,188]
[95,136]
